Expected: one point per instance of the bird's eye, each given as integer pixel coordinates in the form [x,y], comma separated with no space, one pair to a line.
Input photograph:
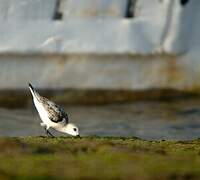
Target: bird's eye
[75,129]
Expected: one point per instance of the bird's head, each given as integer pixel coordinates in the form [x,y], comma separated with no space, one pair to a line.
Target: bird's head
[71,129]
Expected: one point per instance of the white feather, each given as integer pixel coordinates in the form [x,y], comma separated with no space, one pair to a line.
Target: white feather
[41,110]
[69,128]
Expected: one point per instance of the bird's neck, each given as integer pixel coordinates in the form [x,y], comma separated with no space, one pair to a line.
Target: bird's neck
[64,129]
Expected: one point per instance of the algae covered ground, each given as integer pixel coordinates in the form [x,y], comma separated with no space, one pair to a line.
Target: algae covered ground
[98,158]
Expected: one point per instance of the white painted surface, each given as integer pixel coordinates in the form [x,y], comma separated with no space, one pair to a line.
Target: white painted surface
[26,10]
[100,72]
[181,35]
[93,8]
[159,26]
[80,36]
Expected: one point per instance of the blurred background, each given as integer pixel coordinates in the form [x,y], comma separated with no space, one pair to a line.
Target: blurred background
[118,67]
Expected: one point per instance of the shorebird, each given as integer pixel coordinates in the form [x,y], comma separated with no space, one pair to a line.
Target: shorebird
[52,115]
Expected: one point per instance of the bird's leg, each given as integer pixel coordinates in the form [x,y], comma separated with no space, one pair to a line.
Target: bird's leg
[46,130]
[49,134]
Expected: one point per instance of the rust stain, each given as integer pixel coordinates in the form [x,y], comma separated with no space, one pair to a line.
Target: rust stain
[112,12]
[60,64]
[90,13]
[174,72]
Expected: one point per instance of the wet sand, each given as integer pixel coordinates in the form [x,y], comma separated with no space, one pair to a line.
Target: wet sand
[174,120]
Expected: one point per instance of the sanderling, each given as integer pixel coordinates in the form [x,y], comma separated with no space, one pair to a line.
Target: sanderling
[52,115]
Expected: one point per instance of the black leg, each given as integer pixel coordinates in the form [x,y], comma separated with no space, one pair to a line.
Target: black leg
[45,131]
[48,133]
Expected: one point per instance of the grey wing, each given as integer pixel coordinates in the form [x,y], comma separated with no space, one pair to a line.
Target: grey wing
[55,112]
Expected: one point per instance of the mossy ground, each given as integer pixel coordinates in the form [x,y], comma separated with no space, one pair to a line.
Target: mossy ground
[98,158]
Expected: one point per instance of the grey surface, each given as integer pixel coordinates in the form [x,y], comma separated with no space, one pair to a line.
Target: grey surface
[152,120]
[93,8]
[109,72]
[26,10]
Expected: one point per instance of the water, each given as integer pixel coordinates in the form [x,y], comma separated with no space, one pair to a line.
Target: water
[177,120]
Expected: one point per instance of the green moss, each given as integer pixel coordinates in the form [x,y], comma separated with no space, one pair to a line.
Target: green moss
[98,158]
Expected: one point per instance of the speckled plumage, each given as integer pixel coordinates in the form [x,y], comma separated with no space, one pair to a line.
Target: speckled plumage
[55,113]
[52,115]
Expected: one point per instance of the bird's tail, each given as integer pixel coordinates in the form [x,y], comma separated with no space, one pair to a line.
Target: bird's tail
[31,89]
